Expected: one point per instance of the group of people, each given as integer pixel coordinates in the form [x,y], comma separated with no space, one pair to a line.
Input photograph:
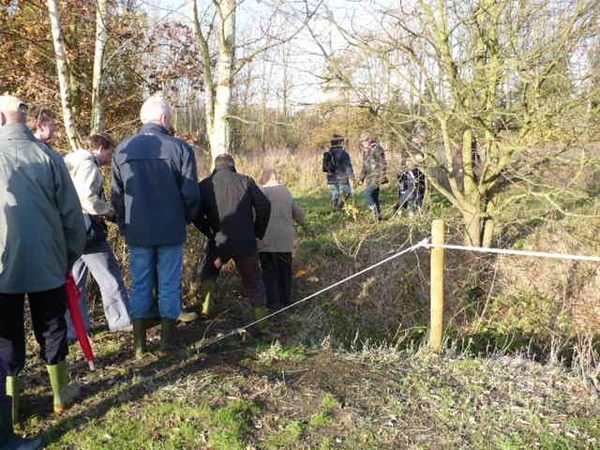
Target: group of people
[338,166]
[53,223]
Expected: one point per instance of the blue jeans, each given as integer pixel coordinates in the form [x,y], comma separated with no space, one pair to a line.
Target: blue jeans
[371,194]
[340,192]
[167,262]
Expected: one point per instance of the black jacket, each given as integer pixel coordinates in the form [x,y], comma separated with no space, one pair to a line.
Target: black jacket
[234,212]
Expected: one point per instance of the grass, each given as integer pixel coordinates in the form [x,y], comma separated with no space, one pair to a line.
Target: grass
[350,371]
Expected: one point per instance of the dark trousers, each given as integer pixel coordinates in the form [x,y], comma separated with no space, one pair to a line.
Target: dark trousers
[248,269]
[277,276]
[49,327]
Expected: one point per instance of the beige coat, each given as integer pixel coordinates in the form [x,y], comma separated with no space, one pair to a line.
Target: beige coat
[279,237]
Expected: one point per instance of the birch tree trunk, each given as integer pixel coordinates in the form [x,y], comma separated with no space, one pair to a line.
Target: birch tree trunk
[218,88]
[62,69]
[98,104]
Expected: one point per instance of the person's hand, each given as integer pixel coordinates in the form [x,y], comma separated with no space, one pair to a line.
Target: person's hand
[110,216]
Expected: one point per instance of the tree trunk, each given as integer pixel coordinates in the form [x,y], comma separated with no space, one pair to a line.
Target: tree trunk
[220,137]
[62,69]
[97,113]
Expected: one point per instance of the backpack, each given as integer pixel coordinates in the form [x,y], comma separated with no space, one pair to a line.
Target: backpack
[329,164]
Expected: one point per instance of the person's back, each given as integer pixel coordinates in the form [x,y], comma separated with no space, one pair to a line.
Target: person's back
[235,211]
[155,186]
[279,236]
[33,230]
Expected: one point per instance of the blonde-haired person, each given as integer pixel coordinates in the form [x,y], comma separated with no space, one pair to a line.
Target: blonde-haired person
[276,247]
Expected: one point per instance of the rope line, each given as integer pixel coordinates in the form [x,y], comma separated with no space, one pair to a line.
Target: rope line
[240,330]
[515,252]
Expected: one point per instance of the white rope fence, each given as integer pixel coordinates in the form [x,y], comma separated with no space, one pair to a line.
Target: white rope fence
[425,243]
[240,330]
[514,252]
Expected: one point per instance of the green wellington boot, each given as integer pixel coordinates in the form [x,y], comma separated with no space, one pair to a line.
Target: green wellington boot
[65,393]
[187,316]
[12,390]
[8,439]
[207,305]
[139,336]
[259,313]
[167,335]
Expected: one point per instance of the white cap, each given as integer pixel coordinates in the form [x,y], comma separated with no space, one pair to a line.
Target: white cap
[9,103]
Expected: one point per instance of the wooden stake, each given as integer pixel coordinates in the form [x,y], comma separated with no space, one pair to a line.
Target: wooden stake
[437,287]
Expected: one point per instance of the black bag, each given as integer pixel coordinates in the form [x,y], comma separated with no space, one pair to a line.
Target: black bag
[98,230]
[329,165]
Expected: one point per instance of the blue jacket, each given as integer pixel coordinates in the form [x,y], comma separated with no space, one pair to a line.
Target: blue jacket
[343,167]
[154,187]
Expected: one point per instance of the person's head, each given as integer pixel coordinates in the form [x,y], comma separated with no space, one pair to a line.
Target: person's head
[365,139]
[12,110]
[268,175]
[156,110]
[102,146]
[337,140]
[43,123]
[224,160]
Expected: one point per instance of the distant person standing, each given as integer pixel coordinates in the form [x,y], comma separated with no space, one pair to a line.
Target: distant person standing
[98,256]
[155,195]
[235,213]
[338,166]
[276,247]
[411,189]
[373,172]
[43,234]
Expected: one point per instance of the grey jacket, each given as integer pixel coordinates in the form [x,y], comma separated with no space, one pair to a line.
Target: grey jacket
[41,224]
[279,237]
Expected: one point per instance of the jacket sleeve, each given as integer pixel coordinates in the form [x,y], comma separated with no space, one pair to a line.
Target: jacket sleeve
[262,209]
[88,181]
[382,161]
[118,193]
[200,220]
[298,213]
[70,211]
[349,171]
[190,195]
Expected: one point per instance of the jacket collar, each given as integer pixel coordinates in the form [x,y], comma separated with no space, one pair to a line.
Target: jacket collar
[224,168]
[153,128]
[15,131]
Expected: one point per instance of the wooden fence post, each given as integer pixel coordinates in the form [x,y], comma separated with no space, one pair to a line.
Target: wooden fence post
[436,325]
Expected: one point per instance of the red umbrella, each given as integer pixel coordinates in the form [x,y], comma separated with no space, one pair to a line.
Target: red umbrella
[74,295]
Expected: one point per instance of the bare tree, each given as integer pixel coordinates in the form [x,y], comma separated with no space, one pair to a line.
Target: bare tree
[488,82]
[64,78]
[98,104]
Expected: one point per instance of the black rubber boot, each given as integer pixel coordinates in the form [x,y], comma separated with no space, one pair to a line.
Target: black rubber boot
[167,335]
[139,337]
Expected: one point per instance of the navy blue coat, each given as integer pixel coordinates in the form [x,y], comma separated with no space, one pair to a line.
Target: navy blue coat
[154,187]
[343,167]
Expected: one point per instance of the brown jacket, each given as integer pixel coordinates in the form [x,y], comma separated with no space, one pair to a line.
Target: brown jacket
[279,237]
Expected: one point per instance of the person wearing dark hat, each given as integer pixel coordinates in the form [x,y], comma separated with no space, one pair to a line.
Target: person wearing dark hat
[338,165]
[373,172]
[43,232]
[235,213]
